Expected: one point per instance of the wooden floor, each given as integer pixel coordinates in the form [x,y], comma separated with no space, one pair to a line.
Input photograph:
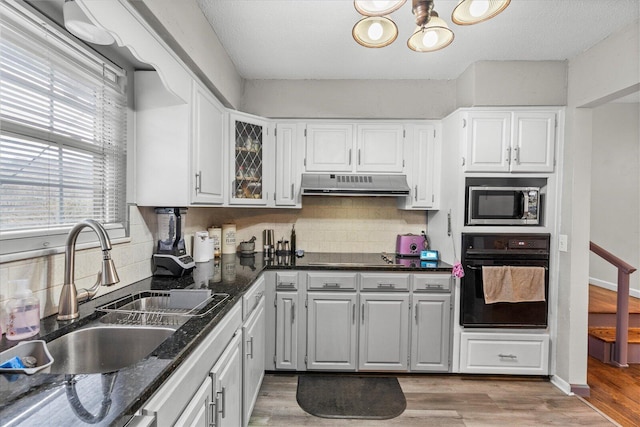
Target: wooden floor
[614,391]
[603,301]
[442,400]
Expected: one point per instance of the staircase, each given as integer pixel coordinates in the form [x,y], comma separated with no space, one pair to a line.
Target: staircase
[602,321]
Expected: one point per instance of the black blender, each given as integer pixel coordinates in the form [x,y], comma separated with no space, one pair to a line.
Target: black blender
[170,257]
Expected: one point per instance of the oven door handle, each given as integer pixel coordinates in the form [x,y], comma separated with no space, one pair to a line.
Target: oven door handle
[471,267]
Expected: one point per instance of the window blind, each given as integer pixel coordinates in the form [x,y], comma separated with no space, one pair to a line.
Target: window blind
[63,119]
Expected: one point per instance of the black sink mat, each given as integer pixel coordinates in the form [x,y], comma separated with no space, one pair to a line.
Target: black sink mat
[350,396]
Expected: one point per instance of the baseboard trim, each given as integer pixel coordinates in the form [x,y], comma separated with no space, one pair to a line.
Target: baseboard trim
[612,286]
[582,390]
[561,384]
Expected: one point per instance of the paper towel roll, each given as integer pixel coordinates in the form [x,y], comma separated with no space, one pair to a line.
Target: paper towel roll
[201,246]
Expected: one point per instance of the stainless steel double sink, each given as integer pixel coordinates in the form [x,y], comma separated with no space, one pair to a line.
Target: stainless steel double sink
[133,327]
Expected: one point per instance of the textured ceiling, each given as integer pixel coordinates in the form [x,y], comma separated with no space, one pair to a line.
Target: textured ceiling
[311,39]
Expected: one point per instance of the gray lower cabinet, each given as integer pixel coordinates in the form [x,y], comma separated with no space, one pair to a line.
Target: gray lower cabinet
[331,330]
[287,330]
[253,333]
[226,377]
[384,331]
[431,332]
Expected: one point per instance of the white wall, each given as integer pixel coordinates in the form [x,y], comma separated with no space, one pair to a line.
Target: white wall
[610,68]
[615,191]
[383,99]
[513,83]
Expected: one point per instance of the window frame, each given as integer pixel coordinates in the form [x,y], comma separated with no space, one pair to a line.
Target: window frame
[47,240]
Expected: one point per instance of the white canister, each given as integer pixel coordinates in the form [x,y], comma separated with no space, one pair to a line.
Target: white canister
[215,233]
[201,246]
[228,239]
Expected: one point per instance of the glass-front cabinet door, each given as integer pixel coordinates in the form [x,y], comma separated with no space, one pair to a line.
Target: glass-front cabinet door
[250,156]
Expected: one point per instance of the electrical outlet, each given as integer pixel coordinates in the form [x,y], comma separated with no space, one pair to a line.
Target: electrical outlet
[563,243]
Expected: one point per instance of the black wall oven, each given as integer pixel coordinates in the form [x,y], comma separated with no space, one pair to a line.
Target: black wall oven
[520,250]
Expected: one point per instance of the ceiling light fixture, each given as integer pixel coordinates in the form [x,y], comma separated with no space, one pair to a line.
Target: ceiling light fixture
[375,31]
[377,7]
[432,32]
[78,24]
[469,12]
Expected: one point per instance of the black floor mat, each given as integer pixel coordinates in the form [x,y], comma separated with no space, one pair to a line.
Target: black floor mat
[350,396]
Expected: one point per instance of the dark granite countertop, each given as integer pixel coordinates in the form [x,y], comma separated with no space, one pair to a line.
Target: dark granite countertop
[44,399]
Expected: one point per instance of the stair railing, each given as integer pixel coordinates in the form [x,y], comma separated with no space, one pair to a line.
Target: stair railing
[621,346]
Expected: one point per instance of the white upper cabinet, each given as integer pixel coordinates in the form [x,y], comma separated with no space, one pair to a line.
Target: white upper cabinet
[501,141]
[488,142]
[251,160]
[534,137]
[179,145]
[423,151]
[363,148]
[329,148]
[379,148]
[209,136]
[288,164]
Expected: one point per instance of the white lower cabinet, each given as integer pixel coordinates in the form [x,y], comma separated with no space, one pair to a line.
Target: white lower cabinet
[226,377]
[253,334]
[287,330]
[331,330]
[199,412]
[431,332]
[384,331]
[504,353]
[183,396]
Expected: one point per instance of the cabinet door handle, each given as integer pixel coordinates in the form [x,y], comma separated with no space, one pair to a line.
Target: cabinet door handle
[292,192]
[358,156]
[417,313]
[386,285]
[213,413]
[223,405]
[353,314]
[363,313]
[332,285]
[416,193]
[250,341]
[507,356]
[289,285]
[508,159]
[198,182]
[293,312]
[516,157]
[349,156]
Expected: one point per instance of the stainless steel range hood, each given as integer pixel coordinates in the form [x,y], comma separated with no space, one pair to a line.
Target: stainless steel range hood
[354,185]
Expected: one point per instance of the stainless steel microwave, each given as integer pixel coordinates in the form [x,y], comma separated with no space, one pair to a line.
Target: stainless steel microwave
[503,205]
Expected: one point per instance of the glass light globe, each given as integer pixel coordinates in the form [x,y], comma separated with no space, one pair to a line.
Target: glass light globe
[430,38]
[375,31]
[478,7]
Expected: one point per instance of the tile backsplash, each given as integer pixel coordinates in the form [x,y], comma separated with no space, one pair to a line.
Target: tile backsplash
[324,224]
[46,273]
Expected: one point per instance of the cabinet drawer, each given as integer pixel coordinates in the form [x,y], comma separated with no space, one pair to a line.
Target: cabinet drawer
[384,282]
[516,354]
[432,282]
[330,281]
[252,297]
[286,281]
